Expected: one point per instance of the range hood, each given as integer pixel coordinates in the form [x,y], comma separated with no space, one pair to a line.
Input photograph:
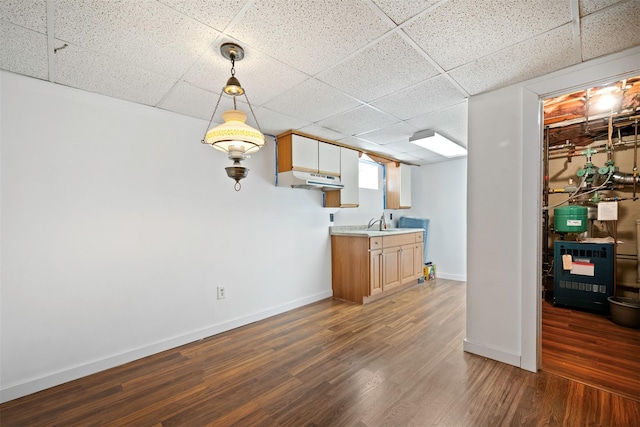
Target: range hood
[309,180]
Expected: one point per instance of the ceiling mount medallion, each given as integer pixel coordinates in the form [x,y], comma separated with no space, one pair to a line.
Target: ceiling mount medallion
[234,136]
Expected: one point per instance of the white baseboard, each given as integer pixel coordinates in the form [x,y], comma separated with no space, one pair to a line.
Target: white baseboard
[491,353]
[458,277]
[37,384]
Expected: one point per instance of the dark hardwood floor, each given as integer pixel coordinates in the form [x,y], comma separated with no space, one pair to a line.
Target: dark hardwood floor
[394,362]
[590,348]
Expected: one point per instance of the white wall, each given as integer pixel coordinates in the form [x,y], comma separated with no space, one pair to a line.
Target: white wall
[117,225]
[504,212]
[440,194]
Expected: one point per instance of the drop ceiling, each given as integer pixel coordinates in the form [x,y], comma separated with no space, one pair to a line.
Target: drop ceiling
[367,73]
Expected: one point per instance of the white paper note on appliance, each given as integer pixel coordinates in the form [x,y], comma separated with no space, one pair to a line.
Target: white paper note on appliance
[607,211]
[582,268]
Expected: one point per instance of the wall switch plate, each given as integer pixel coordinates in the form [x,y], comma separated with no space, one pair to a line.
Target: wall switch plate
[222,292]
[331,217]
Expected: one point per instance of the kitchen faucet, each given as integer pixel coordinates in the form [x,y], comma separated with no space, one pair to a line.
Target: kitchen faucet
[381,221]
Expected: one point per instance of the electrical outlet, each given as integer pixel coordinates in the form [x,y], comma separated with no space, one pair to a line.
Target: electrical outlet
[222,292]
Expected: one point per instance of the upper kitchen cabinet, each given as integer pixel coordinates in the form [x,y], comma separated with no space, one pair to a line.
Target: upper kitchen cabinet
[328,159]
[301,153]
[348,197]
[398,195]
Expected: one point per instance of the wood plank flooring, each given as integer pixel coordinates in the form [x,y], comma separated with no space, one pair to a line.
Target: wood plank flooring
[590,348]
[394,362]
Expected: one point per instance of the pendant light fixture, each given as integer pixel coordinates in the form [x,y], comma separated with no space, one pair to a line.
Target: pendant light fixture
[234,136]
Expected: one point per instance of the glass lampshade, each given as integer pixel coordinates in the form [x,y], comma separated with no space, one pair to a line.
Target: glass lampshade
[234,135]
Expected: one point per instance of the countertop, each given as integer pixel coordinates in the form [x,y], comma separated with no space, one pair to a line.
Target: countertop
[362,231]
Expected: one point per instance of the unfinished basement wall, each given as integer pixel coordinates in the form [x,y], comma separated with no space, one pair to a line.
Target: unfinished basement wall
[561,169]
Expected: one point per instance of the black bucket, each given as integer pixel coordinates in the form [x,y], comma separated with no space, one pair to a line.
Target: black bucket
[625,311]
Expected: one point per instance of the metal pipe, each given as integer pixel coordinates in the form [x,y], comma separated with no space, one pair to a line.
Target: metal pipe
[635,159]
[609,139]
[625,178]
[545,213]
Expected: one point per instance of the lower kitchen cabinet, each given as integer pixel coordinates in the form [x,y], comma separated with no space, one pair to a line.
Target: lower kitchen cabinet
[391,262]
[375,272]
[363,267]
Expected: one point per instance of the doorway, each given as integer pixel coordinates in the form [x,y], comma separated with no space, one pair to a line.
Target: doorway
[589,159]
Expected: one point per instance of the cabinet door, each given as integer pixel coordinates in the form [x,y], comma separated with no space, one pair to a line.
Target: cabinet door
[349,174]
[418,269]
[328,159]
[407,256]
[405,186]
[398,185]
[391,265]
[304,153]
[375,272]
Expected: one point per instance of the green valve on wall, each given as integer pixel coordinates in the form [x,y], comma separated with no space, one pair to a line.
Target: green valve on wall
[570,219]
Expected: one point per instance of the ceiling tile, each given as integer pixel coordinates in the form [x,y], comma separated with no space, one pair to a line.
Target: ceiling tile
[312,101]
[98,73]
[192,101]
[214,13]
[318,34]
[532,58]
[610,30]
[386,67]
[358,120]
[406,157]
[589,6]
[450,122]
[17,40]
[321,132]
[388,150]
[400,11]
[422,98]
[262,77]
[461,31]
[31,14]
[405,146]
[276,123]
[135,32]
[353,141]
[396,132]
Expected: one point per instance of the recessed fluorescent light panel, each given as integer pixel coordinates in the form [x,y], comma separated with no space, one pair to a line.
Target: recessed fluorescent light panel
[437,143]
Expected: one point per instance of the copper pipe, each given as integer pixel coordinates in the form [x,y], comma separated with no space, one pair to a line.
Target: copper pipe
[610,141]
[635,159]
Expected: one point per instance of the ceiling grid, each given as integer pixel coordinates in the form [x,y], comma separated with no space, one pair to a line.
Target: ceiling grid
[366,73]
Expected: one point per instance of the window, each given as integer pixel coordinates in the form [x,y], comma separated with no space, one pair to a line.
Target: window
[368,173]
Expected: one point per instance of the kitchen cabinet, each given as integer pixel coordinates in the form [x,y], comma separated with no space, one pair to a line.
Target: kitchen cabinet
[301,153]
[304,154]
[375,272]
[398,186]
[365,267]
[391,262]
[328,159]
[347,197]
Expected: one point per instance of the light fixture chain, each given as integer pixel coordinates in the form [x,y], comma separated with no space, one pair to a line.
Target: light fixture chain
[254,115]
[233,65]
[211,119]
